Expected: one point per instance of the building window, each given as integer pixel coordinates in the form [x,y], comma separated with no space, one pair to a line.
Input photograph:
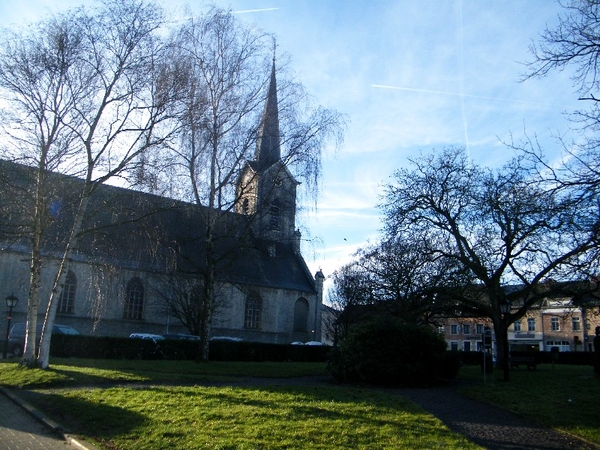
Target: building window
[253,312]
[301,315]
[467,346]
[66,302]
[274,212]
[479,328]
[530,324]
[576,323]
[466,329]
[554,324]
[517,326]
[134,300]
[454,346]
[454,329]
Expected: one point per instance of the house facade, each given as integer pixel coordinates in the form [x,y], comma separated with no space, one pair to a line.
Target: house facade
[141,248]
[553,323]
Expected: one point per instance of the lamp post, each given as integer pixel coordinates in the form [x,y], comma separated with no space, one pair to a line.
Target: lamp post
[11,302]
[505,310]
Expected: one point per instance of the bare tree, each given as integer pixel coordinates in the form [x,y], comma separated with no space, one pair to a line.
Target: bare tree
[504,227]
[224,69]
[573,43]
[89,96]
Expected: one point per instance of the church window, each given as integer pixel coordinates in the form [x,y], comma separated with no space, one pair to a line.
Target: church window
[274,211]
[66,302]
[134,300]
[301,315]
[253,312]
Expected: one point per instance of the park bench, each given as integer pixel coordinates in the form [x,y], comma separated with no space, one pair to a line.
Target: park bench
[529,361]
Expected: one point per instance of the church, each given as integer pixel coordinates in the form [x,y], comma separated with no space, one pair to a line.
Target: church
[140,250]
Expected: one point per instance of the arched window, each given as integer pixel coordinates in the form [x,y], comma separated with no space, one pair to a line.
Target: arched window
[274,212]
[301,315]
[66,302]
[134,300]
[253,311]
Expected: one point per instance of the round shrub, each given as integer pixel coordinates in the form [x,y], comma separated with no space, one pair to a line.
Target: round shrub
[387,351]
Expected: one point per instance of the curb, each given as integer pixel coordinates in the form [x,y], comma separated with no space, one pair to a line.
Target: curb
[49,423]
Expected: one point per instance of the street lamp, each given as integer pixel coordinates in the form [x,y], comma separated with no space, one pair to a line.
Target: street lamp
[11,302]
[505,310]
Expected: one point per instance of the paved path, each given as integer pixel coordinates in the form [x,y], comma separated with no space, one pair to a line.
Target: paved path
[20,430]
[489,426]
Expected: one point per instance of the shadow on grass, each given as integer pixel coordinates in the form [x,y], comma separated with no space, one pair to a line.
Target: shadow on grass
[80,416]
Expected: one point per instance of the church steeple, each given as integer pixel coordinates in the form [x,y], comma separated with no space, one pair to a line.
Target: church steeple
[268,149]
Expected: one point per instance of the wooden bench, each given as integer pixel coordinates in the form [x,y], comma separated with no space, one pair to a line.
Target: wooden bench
[529,361]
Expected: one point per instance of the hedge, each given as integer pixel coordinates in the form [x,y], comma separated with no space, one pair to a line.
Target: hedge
[80,346]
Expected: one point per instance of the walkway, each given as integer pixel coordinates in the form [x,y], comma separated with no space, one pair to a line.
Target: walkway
[486,425]
[24,428]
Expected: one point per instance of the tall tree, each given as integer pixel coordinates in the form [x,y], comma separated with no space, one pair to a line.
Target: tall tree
[225,68]
[500,227]
[89,96]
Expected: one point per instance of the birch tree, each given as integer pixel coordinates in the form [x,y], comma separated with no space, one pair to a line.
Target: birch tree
[88,96]
[226,68]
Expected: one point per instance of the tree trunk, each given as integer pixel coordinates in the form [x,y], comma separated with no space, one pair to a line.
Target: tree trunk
[209,293]
[35,272]
[501,330]
[43,358]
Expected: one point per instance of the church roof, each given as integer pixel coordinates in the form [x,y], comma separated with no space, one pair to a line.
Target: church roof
[139,231]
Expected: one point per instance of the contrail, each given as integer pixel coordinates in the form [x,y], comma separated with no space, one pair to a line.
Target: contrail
[457,94]
[461,62]
[254,10]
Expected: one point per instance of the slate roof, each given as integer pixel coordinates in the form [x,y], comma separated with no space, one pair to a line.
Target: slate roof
[140,231]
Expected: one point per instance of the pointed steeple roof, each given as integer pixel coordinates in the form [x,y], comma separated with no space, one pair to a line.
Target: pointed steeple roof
[268,150]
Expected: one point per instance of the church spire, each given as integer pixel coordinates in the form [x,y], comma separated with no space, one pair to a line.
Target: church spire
[268,144]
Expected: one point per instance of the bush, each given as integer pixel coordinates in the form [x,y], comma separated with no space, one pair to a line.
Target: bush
[387,351]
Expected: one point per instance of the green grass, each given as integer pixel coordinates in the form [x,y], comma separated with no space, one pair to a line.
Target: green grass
[154,404]
[81,372]
[155,415]
[247,418]
[563,397]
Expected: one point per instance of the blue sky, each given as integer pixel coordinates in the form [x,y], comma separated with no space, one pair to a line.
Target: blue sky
[411,76]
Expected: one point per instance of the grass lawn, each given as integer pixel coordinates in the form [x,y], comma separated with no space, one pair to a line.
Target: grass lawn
[158,416]
[173,404]
[563,397]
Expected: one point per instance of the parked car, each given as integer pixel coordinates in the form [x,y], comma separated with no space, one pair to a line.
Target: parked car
[154,337]
[226,338]
[16,337]
[313,343]
[181,336]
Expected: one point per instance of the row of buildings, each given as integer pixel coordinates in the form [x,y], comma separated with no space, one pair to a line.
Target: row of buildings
[555,323]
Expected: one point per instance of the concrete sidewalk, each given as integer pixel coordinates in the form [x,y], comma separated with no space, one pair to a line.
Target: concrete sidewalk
[23,427]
